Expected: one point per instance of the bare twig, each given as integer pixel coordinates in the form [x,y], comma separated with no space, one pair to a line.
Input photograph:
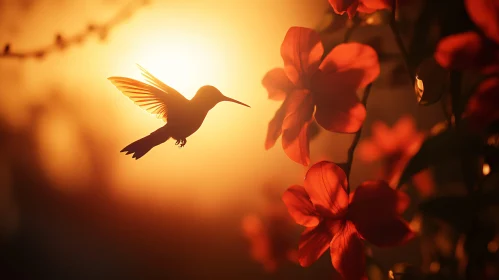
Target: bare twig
[61,42]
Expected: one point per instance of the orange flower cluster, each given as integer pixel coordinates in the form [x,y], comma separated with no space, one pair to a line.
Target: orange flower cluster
[351,7]
[394,147]
[339,221]
[319,87]
[325,90]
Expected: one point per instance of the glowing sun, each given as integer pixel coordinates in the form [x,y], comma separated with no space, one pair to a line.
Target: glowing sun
[185,63]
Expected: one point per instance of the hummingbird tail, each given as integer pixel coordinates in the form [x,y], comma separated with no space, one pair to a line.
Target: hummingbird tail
[140,147]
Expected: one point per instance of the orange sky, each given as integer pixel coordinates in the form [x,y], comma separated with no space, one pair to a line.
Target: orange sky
[187,44]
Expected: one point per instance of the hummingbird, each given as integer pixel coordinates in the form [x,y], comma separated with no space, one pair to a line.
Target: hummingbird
[183,117]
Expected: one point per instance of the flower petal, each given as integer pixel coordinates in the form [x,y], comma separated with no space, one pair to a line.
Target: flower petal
[366,10]
[360,61]
[376,198]
[257,235]
[368,151]
[384,137]
[485,14]
[374,210]
[400,144]
[384,231]
[342,6]
[465,51]
[327,186]
[341,113]
[313,243]
[424,183]
[377,4]
[298,149]
[300,207]
[274,129]
[346,68]
[482,108]
[301,51]
[407,135]
[295,141]
[347,253]
[403,201]
[459,51]
[299,111]
[277,84]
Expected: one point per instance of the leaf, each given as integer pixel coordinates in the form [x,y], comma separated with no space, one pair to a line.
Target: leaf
[455,210]
[447,145]
[459,211]
[431,82]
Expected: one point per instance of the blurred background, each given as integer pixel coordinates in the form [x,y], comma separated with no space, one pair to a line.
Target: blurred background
[73,207]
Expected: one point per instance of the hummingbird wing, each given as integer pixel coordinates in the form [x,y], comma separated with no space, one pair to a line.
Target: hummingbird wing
[159,84]
[148,97]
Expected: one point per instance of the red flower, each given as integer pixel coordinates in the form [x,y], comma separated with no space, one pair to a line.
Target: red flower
[271,234]
[306,85]
[395,146]
[470,50]
[270,242]
[424,183]
[351,7]
[482,108]
[339,221]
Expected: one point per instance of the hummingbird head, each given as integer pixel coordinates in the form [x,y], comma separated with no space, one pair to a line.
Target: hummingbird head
[209,96]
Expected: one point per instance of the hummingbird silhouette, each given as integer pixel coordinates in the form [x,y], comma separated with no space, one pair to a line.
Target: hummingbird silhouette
[183,117]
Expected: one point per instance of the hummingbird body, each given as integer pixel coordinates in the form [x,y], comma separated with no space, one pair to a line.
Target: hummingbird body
[183,117]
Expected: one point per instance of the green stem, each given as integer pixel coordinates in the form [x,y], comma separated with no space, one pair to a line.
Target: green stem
[400,43]
[356,139]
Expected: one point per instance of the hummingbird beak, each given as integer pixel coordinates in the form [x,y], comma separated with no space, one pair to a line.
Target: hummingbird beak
[235,101]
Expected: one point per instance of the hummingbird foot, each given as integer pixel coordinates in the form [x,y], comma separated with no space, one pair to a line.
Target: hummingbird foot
[182,142]
[178,142]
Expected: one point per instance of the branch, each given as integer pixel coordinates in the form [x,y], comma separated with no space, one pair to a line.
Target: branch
[400,43]
[455,91]
[466,160]
[60,42]
[350,29]
[356,139]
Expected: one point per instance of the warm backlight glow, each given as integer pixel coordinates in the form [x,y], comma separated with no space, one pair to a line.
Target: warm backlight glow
[493,246]
[179,62]
[185,44]
[434,267]
[415,224]
[486,169]
[66,166]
